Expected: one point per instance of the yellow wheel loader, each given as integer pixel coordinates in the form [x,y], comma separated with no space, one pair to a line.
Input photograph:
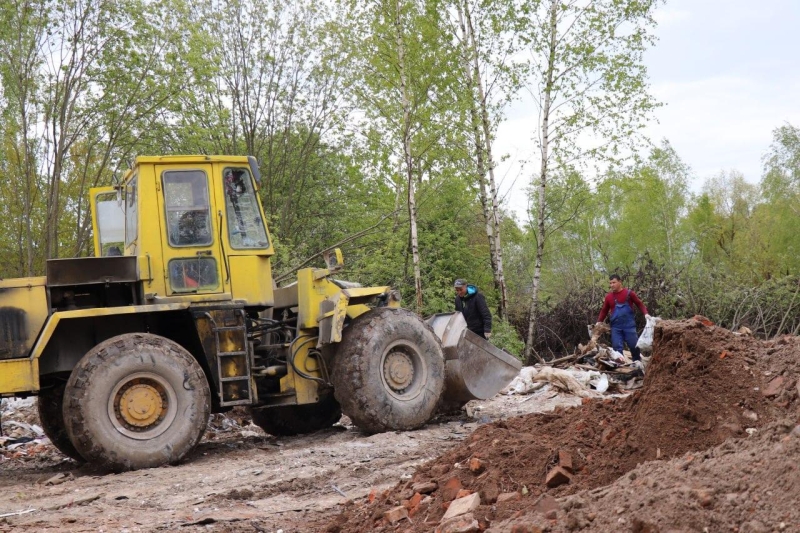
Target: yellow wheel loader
[177,317]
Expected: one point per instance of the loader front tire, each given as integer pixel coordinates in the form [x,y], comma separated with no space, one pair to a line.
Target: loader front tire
[50,403]
[388,371]
[136,401]
[290,420]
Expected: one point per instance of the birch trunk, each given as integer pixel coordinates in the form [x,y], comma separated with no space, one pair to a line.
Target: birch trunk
[409,160]
[493,221]
[485,161]
[543,176]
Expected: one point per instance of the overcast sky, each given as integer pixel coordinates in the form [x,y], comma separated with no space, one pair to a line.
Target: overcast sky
[728,72]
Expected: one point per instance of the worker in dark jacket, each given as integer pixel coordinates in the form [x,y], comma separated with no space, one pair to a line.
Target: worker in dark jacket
[473,306]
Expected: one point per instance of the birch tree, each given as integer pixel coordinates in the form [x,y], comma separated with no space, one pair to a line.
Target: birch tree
[590,87]
[488,41]
[405,77]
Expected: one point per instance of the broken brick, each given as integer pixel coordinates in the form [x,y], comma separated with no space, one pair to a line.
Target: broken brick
[414,501]
[557,476]
[462,506]
[465,523]
[463,493]
[450,489]
[395,514]
[565,460]
[476,466]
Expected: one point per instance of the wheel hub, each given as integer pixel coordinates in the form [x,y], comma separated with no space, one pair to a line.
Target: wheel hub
[141,405]
[398,370]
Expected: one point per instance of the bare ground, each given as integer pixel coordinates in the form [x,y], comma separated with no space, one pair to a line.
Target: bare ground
[237,479]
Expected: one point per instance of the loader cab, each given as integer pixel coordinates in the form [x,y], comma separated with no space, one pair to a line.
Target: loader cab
[196,225]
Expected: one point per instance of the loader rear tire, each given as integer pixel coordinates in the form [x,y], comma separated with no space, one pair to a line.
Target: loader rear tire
[289,420]
[50,403]
[388,371]
[136,401]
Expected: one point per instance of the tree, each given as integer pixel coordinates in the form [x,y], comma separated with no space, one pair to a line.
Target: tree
[403,66]
[487,39]
[590,86]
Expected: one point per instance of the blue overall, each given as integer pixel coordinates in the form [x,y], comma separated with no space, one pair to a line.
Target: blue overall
[623,327]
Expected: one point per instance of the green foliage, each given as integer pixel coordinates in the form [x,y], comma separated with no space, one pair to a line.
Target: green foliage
[504,336]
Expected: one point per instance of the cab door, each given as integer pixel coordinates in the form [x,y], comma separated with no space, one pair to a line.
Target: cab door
[190,233]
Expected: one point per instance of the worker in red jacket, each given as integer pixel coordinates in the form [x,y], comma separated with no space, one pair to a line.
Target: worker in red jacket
[619,303]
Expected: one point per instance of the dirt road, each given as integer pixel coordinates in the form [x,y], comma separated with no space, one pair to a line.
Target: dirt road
[238,478]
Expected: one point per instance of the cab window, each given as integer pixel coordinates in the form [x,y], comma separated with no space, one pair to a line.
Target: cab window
[193,274]
[246,228]
[110,223]
[187,207]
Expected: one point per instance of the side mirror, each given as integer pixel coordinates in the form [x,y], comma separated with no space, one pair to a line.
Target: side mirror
[333,259]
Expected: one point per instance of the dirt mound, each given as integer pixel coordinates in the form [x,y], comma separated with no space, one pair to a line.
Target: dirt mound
[704,385]
[748,485]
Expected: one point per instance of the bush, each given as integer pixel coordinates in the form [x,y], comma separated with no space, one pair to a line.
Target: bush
[505,337]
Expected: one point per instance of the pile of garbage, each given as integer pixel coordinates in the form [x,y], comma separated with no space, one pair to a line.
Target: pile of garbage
[594,369]
[22,438]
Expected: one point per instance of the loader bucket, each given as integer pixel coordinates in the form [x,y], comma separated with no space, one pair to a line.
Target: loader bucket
[474,368]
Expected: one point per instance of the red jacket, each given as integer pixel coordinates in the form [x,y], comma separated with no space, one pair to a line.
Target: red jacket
[613,298]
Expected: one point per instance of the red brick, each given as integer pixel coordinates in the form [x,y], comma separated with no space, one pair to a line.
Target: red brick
[476,466]
[414,501]
[557,476]
[450,489]
[565,460]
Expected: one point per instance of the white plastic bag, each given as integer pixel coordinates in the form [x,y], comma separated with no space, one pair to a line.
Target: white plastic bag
[645,343]
[600,384]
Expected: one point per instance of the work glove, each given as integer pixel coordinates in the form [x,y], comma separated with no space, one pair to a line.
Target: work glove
[598,324]
[488,334]
[647,317]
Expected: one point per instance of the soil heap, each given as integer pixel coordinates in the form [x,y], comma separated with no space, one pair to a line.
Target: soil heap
[705,386]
